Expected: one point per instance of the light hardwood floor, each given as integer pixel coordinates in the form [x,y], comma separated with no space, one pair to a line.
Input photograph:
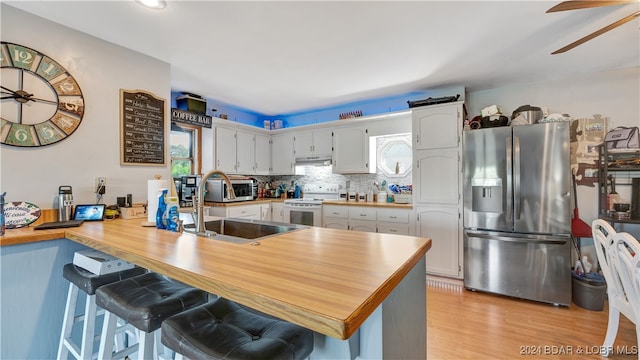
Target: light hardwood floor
[463,324]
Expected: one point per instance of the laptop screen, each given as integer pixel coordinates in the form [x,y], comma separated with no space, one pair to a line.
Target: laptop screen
[92,212]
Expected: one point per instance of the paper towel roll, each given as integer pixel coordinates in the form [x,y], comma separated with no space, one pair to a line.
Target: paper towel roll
[153,191]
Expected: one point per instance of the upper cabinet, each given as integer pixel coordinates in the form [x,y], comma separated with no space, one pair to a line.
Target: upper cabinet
[315,143]
[282,156]
[351,151]
[245,152]
[225,146]
[241,151]
[436,126]
[263,154]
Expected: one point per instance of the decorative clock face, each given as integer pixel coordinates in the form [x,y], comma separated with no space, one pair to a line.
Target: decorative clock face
[41,102]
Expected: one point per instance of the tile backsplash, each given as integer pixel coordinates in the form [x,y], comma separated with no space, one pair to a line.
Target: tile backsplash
[322,177]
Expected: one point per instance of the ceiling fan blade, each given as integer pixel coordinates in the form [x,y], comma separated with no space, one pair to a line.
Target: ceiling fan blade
[597,33]
[575,5]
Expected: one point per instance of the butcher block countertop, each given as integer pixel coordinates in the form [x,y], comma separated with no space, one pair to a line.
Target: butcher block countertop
[327,280]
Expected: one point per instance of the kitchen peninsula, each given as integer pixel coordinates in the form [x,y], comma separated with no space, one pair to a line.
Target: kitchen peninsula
[362,293]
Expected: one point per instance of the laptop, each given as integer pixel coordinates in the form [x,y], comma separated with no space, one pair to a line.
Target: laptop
[58,224]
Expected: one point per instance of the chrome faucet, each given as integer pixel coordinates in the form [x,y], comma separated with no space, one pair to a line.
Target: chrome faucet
[198,201]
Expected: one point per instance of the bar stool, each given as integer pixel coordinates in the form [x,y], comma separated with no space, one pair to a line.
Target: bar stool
[81,279]
[143,301]
[222,329]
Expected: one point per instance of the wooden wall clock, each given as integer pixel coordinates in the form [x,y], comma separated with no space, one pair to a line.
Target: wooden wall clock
[41,102]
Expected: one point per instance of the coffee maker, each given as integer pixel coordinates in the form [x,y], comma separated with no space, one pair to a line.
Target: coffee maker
[186,186]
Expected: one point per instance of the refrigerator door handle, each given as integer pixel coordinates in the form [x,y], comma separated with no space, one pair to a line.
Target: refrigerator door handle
[508,210]
[520,238]
[516,177]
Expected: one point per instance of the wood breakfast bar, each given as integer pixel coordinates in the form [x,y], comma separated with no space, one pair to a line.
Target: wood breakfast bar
[363,294]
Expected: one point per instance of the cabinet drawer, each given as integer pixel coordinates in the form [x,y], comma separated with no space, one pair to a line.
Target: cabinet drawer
[335,211]
[243,211]
[362,213]
[393,228]
[396,216]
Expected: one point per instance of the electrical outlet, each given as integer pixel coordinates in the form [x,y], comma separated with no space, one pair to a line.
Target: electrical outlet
[100,185]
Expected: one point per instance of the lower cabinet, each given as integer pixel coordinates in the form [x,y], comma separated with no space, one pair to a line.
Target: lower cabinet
[265,212]
[442,225]
[277,211]
[237,211]
[365,218]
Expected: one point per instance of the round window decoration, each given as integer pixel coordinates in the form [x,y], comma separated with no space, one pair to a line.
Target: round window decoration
[41,102]
[395,156]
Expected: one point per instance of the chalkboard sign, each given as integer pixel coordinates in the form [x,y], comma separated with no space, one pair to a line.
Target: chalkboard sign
[142,130]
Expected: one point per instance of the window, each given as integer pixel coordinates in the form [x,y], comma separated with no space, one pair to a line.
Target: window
[184,151]
[394,157]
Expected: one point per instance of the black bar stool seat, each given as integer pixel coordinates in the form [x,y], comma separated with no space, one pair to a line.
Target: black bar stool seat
[222,329]
[144,302]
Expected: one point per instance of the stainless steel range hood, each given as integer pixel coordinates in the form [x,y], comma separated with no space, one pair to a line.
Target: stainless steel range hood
[313,161]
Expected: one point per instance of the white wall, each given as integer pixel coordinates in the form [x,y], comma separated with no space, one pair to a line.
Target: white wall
[614,94]
[101,69]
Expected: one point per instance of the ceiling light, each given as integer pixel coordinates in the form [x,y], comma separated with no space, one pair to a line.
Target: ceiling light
[153,4]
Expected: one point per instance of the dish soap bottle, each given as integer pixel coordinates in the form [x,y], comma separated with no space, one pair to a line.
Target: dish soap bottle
[171,215]
[162,207]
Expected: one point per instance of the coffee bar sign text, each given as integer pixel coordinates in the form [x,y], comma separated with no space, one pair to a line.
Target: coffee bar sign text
[190,118]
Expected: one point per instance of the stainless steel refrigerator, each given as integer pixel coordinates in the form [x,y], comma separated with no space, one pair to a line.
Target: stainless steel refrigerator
[517,215]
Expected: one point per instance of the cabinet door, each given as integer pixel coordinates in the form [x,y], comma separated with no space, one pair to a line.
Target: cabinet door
[265,212]
[277,213]
[393,228]
[263,154]
[442,225]
[225,149]
[336,223]
[438,176]
[282,157]
[303,144]
[363,225]
[244,211]
[323,142]
[245,152]
[437,126]
[335,211]
[362,213]
[351,150]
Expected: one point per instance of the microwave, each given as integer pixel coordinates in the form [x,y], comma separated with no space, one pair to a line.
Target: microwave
[245,190]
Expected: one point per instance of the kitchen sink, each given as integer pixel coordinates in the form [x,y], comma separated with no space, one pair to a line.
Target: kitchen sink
[241,231]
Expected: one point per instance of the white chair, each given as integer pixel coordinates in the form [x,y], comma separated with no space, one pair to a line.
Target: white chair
[626,265]
[603,238]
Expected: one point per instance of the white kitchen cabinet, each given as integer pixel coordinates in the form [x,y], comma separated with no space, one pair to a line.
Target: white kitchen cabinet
[262,154]
[245,152]
[442,224]
[282,155]
[239,151]
[437,184]
[437,126]
[335,217]
[362,213]
[277,212]
[367,218]
[265,212]
[394,228]
[363,225]
[394,221]
[351,151]
[439,174]
[315,143]
[225,147]
[251,211]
